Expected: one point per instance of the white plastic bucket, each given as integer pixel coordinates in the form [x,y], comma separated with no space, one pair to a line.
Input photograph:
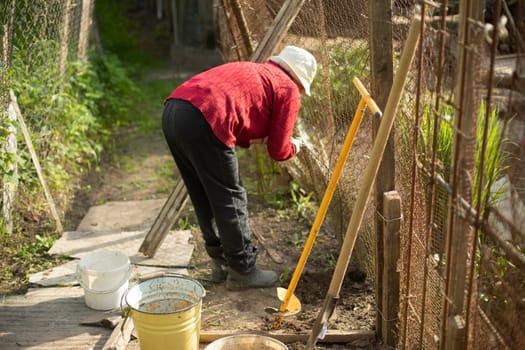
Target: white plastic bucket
[246,342]
[166,312]
[104,277]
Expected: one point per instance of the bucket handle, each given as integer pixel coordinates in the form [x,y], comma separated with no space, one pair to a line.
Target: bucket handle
[111,290]
[126,313]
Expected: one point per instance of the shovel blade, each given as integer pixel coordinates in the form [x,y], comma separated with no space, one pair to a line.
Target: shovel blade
[321,323]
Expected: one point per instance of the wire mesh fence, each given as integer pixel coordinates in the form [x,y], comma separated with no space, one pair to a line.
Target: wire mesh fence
[322,27]
[459,154]
[459,141]
[38,41]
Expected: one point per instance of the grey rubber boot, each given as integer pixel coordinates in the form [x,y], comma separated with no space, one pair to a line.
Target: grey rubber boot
[219,270]
[257,278]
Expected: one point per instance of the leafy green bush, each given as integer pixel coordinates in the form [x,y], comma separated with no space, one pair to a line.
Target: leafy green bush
[344,64]
[69,119]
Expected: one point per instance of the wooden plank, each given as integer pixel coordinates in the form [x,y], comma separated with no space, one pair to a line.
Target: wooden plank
[119,338]
[392,251]
[280,25]
[49,318]
[36,162]
[332,336]
[381,65]
[167,217]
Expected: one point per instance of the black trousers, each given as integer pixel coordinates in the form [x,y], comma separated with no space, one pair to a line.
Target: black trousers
[210,171]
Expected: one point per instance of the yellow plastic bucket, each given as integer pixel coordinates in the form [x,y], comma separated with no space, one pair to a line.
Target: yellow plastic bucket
[166,312]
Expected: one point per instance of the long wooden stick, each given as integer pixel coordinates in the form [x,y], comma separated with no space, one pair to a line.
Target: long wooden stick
[368,181]
[333,336]
[36,162]
[332,185]
[279,28]
[167,217]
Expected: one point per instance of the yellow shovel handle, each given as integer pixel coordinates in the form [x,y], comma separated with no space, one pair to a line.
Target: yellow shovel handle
[316,226]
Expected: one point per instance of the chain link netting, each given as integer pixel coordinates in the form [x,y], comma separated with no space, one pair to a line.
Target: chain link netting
[462,270]
[38,39]
[462,234]
[336,33]
[462,263]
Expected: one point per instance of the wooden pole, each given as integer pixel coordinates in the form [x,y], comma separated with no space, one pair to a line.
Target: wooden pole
[392,252]
[85,26]
[64,40]
[36,162]
[368,179]
[167,217]
[243,26]
[331,336]
[460,233]
[9,186]
[280,25]
[235,28]
[381,66]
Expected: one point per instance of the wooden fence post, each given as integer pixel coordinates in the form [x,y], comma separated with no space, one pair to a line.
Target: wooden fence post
[85,25]
[460,234]
[381,80]
[390,281]
[64,40]
[9,186]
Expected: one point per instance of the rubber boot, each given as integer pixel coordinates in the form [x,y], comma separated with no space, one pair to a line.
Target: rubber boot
[219,270]
[257,278]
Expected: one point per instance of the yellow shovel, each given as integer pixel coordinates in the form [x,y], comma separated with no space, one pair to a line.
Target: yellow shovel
[290,303]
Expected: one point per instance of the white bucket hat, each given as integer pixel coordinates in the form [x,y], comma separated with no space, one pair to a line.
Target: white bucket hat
[300,63]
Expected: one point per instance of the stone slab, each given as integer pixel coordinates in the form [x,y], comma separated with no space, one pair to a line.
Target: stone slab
[173,252]
[122,215]
[66,274]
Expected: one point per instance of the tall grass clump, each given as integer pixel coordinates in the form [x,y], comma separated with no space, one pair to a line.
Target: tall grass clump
[493,159]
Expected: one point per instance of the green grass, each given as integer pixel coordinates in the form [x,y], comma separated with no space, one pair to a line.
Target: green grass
[491,162]
[119,35]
